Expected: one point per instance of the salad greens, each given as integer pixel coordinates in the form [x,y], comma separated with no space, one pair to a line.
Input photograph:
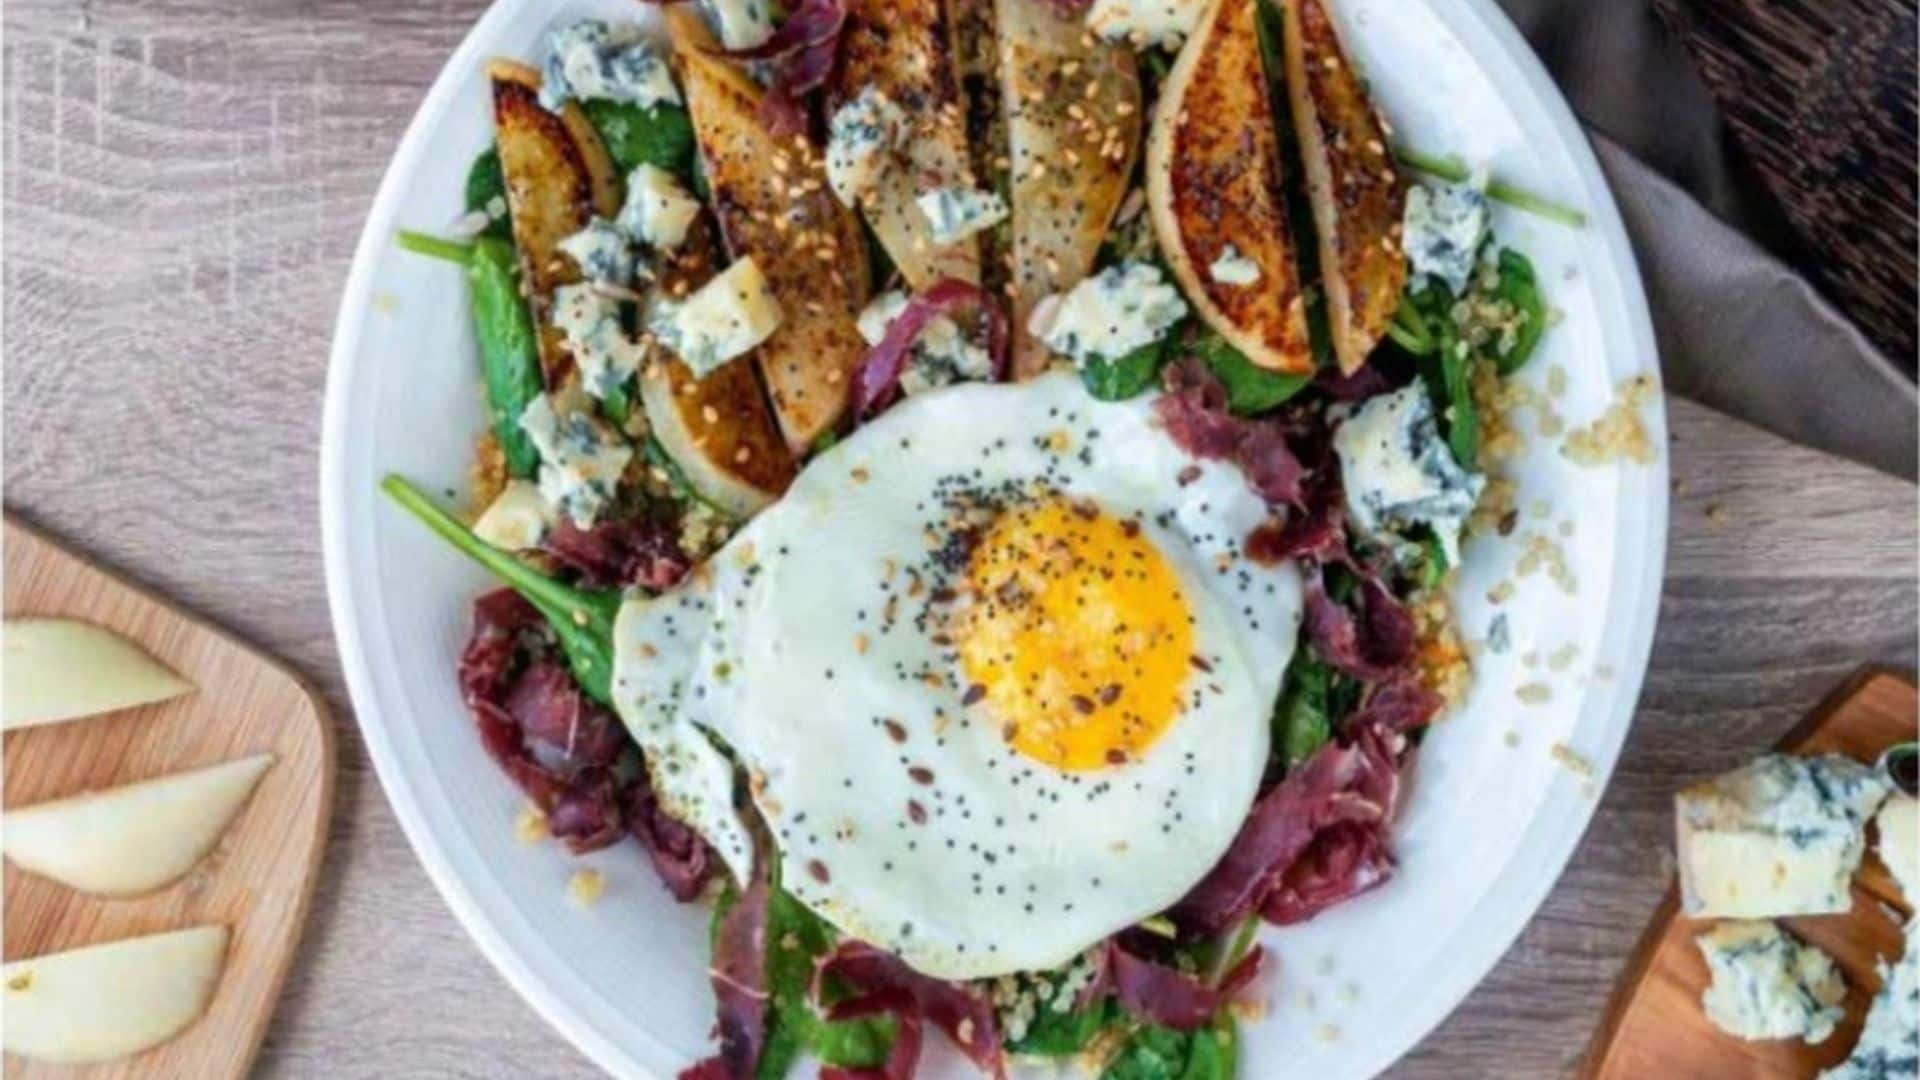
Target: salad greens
[1518,286]
[582,619]
[485,183]
[661,136]
[1250,389]
[509,347]
[1157,1053]
[1129,376]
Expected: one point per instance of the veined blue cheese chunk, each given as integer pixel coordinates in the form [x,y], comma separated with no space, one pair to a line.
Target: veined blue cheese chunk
[941,356]
[658,210]
[1442,231]
[1110,314]
[1889,1046]
[517,519]
[1399,473]
[590,60]
[1768,984]
[724,318]
[602,251]
[606,356]
[863,139]
[742,24]
[1779,836]
[1145,23]
[581,459]
[1233,268]
[955,213]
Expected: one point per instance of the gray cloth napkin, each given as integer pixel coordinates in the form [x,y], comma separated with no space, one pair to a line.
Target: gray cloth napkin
[1739,330]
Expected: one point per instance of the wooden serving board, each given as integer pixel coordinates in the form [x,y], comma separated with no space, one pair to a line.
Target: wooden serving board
[256,882]
[1655,1027]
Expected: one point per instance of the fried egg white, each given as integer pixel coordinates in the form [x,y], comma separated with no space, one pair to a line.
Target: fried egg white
[997,672]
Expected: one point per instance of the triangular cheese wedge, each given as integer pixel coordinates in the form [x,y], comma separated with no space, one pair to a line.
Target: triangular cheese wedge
[110,1001]
[1357,193]
[129,840]
[1214,186]
[59,669]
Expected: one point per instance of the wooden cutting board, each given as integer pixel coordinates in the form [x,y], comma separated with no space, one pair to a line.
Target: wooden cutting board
[1654,1026]
[256,882]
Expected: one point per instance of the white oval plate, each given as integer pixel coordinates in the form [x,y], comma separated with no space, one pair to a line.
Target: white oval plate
[1494,812]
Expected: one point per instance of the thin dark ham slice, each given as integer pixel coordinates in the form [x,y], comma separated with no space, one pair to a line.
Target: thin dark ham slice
[639,551]
[1195,415]
[1373,641]
[879,375]
[739,976]
[967,1017]
[1169,997]
[680,857]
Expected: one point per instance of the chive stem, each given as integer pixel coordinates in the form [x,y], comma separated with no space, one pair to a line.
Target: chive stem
[1450,168]
[434,247]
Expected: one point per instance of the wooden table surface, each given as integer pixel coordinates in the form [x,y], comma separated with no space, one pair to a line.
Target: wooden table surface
[184,183]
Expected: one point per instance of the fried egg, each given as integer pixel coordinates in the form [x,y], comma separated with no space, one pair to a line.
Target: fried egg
[996,671]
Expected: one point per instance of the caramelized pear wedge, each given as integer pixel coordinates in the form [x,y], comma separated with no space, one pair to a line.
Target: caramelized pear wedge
[558,176]
[771,197]
[904,50]
[718,428]
[1073,112]
[1358,196]
[1214,189]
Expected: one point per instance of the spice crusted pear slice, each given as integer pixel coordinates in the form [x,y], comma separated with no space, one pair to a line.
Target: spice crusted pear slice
[1072,103]
[1358,197]
[718,429]
[773,204]
[1214,182]
[904,49]
[558,176]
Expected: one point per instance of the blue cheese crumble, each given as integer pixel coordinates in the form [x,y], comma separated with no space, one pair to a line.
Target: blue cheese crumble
[581,459]
[1782,835]
[606,356]
[1399,473]
[1889,1046]
[1145,23]
[1767,984]
[941,355]
[1442,232]
[724,318]
[1233,268]
[863,139]
[658,211]
[955,213]
[591,61]
[602,251]
[742,24]
[1110,314]
[517,519]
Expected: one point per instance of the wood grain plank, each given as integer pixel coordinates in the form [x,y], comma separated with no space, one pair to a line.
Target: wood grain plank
[182,198]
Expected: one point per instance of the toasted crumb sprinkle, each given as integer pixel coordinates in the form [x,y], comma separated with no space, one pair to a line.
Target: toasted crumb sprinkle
[585,887]
[1619,434]
[530,827]
[1571,760]
[1534,693]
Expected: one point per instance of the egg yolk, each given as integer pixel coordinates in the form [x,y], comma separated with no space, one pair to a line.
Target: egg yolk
[1075,634]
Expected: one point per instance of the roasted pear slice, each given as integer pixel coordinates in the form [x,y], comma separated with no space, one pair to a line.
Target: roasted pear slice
[718,429]
[1214,189]
[1358,197]
[558,177]
[771,197]
[904,49]
[1073,113]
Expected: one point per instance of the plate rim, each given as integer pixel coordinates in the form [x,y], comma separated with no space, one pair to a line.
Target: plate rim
[1484,19]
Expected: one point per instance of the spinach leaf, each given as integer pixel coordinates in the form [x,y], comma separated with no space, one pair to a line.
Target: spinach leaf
[1058,1033]
[485,183]
[1129,376]
[661,136]
[617,406]
[1447,373]
[509,348]
[582,619]
[1303,721]
[1431,567]
[1156,1053]
[1250,389]
[1519,287]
